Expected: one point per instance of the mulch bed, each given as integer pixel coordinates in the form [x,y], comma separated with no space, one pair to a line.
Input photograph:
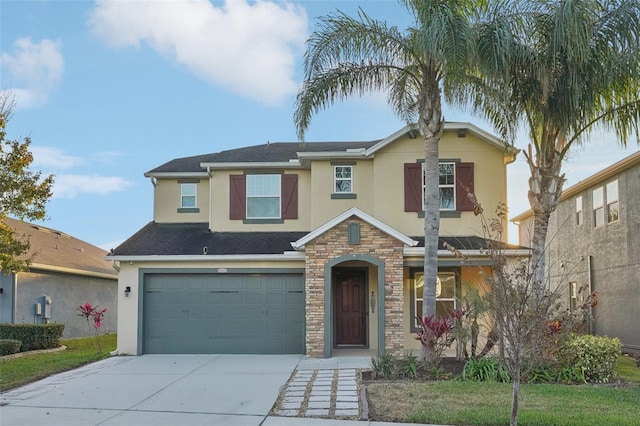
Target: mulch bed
[449,368]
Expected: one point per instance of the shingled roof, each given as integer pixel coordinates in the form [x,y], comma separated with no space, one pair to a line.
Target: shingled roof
[52,248]
[189,239]
[270,152]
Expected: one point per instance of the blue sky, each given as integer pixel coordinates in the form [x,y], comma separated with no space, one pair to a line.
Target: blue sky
[108,90]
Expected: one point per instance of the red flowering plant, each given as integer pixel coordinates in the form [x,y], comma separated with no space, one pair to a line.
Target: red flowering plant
[435,335]
[94,316]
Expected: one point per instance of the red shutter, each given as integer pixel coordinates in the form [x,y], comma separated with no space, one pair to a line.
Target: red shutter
[289,199]
[237,197]
[413,187]
[464,186]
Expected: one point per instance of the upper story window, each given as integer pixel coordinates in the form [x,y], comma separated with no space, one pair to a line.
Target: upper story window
[455,182]
[343,179]
[579,212]
[598,206]
[188,192]
[613,204]
[263,197]
[606,203]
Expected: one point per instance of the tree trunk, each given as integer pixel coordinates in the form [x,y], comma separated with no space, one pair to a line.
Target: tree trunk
[515,397]
[545,187]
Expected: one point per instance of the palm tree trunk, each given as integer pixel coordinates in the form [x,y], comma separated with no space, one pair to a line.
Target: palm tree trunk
[431,226]
[545,188]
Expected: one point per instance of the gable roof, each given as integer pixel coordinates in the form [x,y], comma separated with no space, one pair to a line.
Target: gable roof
[353,211]
[594,179]
[290,154]
[54,250]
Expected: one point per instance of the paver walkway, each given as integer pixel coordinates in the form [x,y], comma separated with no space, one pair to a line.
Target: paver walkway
[330,393]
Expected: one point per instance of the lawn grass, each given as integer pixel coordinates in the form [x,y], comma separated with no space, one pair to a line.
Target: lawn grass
[487,403]
[15,372]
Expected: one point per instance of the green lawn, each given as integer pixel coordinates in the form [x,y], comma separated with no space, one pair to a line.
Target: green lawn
[19,371]
[487,403]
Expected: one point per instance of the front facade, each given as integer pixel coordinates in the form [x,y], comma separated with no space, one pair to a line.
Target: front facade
[302,248]
[65,273]
[593,245]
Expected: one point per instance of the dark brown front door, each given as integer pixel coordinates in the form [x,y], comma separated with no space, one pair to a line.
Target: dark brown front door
[350,307]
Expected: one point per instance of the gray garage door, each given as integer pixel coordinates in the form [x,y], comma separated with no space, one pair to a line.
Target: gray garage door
[223,313]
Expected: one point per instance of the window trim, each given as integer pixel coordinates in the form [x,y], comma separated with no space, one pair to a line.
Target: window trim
[440,186]
[247,197]
[611,202]
[596,208]
[336,179]
[184,185]
[413,299]
[579,210]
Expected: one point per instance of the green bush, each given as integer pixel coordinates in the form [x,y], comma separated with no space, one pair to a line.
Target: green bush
[485,369]
[33,336]
[9,346]
[595,356]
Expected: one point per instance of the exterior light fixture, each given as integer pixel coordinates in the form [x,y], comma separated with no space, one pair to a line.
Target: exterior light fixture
[127,291]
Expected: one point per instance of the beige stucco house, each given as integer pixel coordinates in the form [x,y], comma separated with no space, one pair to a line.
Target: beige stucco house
[303,248]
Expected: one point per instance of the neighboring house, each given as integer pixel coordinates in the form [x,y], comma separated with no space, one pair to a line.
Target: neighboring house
[64,274]
[303,248]
[593,244]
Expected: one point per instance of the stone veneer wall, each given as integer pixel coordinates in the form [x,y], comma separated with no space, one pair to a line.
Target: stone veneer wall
[333,244]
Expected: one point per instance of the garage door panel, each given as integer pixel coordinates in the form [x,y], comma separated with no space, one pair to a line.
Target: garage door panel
[223,313]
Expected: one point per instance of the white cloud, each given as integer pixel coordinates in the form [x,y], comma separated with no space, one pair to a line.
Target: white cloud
[48,157]
[71,185]
[249,48]
[33,71]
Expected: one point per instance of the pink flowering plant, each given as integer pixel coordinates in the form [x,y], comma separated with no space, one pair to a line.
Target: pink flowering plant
[436,334]
[94,316]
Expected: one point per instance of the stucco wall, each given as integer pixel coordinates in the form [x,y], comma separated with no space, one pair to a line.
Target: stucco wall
[67,292]
[166,202]
[610,251]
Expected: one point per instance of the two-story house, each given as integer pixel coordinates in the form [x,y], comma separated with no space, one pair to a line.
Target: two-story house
[593,244]
[303,248]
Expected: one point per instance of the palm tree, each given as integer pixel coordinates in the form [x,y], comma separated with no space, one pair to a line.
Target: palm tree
[562,68]
[348,56]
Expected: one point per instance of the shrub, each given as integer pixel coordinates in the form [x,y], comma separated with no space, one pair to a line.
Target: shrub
[485,369]
[384,366]
[595,356]
[33,336]
[9,346]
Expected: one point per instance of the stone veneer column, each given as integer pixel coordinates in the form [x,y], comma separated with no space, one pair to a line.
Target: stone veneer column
[333,244]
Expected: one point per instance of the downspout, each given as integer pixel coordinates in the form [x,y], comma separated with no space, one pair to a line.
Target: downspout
[14,301]
[592,326]
[210,206]
[115,266]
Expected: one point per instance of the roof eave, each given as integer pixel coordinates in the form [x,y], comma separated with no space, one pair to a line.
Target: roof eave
[177,174]
[285,256]
[291,164]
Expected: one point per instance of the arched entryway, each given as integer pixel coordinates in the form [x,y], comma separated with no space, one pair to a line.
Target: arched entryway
[353,289]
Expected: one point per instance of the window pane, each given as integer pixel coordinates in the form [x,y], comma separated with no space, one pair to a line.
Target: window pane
[188,201]
[599,216]
[447,201]
[418,310]
[598,198]
[263,207]
[447,286]
[579,204]
[613,212]
[188,189]
[343,186]
[343,172]
[263,185]
[579,217]
[612,191]
[447,173]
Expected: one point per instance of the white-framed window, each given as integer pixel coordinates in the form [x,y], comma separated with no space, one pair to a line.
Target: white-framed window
[445,294]
[343,179]
[263,196]
[579,211]
[598,206]
[613,203]
[188,194]
[446,185]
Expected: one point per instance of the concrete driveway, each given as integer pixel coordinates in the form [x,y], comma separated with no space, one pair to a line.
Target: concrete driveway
[234,390]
